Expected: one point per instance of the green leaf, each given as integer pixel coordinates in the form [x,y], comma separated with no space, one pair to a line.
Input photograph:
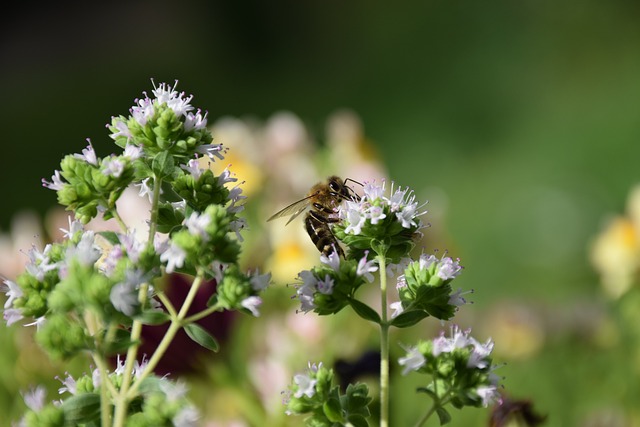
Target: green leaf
[110,236]
[408,318]
[82,408]
[358,421]
[201,336]
[163,164]
[333,410]
[153,317]
[443,415]
[364,311]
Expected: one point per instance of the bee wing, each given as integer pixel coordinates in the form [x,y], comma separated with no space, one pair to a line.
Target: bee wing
[294,209]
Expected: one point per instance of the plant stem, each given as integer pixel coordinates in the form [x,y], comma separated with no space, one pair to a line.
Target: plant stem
[384,344]
[176,323]
[122,400]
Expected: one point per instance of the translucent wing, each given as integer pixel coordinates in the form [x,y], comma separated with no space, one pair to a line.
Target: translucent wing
[294,209]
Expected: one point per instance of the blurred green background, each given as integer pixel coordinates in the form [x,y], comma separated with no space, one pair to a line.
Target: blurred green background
[521,120]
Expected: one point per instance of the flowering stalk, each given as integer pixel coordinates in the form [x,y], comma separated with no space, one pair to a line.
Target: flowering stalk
[386,227]
[93,292]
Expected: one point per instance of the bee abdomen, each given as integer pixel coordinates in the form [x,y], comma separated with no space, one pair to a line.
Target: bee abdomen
[322,236]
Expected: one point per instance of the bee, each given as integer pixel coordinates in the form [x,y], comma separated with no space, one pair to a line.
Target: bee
[321,205]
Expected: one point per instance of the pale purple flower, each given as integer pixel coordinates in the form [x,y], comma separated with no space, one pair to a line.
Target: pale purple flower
[355,218]
[332,260]
[197,225]
[488,394]
[325,286]
[375,214]
[145,189]
[187,417]
[193,167]
[113,166]
[212,150]
[306,385]
[397,309]
[88,155]
[413,361]
[123,129]
[133,152]
[252,303]
[448,268]
[479,354]
[74,227]
[56,183]
[12,290]
[68,385]
[174,256]
[237,226]
[259,281]
[143,111]
[365,268]
[195,121]
[34,399]
[372,191]
[12,315]
[226,176]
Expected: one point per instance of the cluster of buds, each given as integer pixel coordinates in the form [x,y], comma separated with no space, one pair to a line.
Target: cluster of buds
[314,393]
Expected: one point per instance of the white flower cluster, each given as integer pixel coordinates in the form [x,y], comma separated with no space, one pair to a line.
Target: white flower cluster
[374,206]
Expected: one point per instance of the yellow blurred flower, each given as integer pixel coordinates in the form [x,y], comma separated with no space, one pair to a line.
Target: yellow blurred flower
[615,253]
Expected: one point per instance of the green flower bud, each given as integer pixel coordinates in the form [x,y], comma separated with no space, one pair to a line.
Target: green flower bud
[62,338]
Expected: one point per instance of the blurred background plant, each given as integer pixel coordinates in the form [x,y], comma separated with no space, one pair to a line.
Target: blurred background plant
[518,122]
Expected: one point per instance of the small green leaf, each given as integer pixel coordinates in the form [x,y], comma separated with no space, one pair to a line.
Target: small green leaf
[333,410]
[201,336]
[364,311]
[443,415]
[153,317]
[358,421]
[82,408]
[163,164]
[408,318]
[110,237]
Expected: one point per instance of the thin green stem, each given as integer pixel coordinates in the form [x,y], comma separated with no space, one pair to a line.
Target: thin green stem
[204,313]
[153,222]
[119,219]
[176,323]
[384,344]
[167,303]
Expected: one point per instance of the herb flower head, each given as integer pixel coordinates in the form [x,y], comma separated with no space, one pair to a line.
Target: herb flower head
[376,219]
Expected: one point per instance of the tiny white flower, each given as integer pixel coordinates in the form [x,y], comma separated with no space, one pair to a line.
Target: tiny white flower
[195,121]
[407,216]
[332,260]
[74,227]
[376,214]
[260,282]
[397,309]
[212,150]
[306,386]
[480,352]
[193,167]
[56,183]
[12,290]
[124,298]
[365,268]
[174,256]
[12,315]
[133,152]
[197,225]
[113,166]
[252,303]
[226,176]
[413,361]
[187,417]
[488,394]
[145,189]
[68,385]
[34,399]
[355,218]
[123,130]
[143,111]
[325,286]
[373,191]
[88,155]
[448,268]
